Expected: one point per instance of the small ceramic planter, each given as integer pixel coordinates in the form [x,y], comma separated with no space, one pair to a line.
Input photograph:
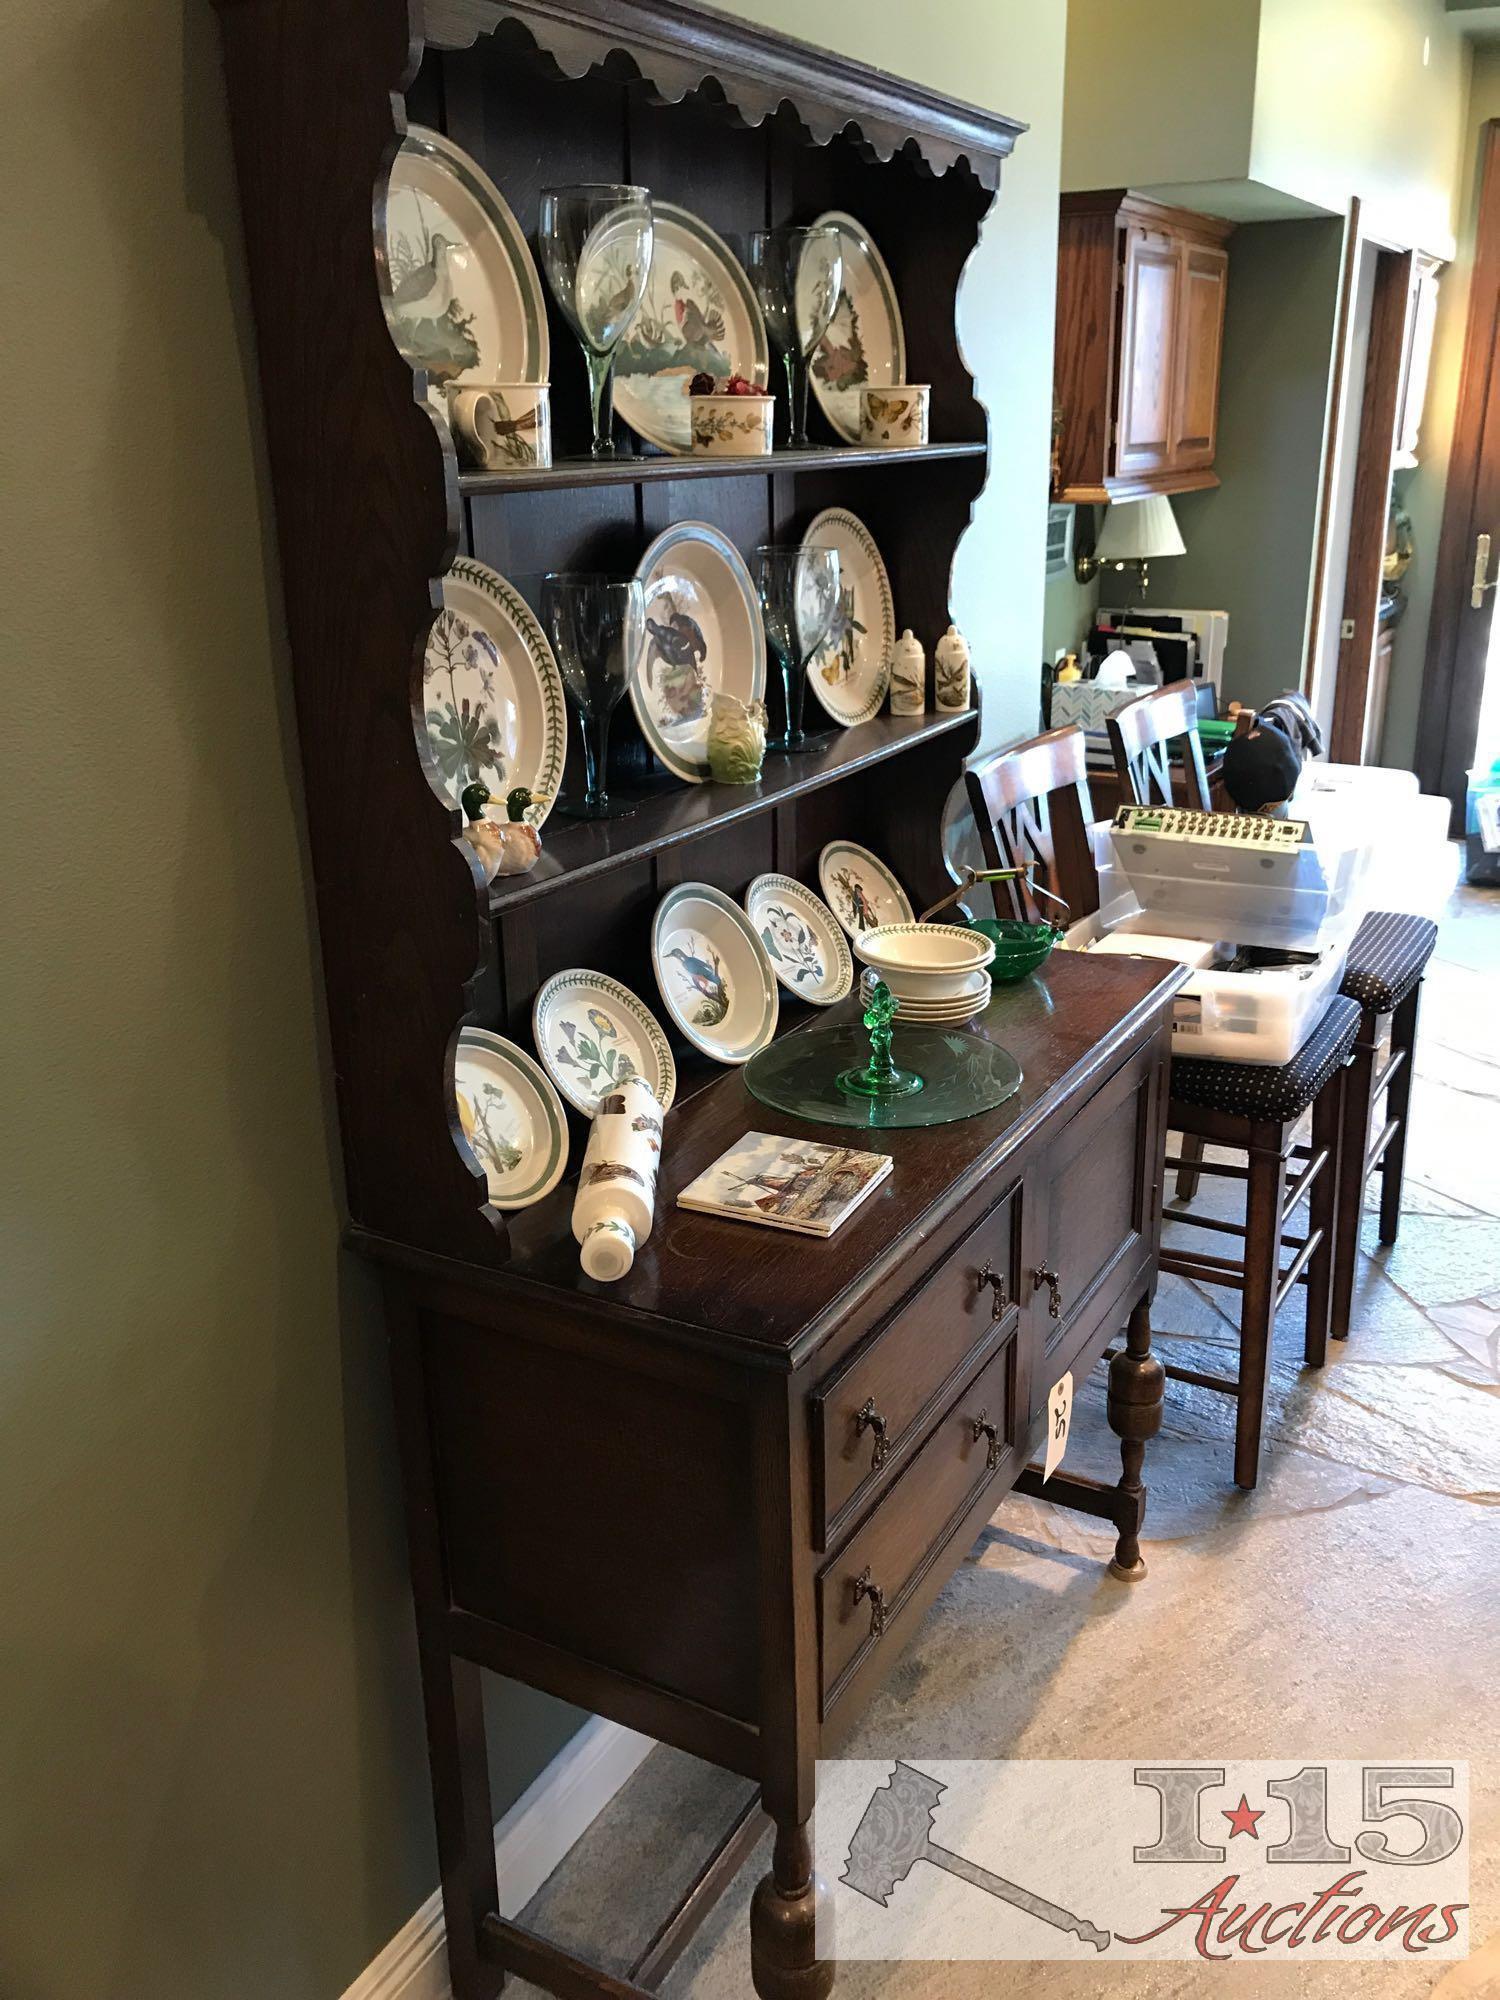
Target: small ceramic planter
[502,426]
[895,415]
[732,426]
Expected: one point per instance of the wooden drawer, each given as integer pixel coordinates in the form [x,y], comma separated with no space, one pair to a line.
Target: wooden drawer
[898,1544]
[871,1414]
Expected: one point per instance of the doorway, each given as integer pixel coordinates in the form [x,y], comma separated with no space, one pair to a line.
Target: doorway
[1460,718]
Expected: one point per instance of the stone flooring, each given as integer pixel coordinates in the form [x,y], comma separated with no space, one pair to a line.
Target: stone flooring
[1350,1606]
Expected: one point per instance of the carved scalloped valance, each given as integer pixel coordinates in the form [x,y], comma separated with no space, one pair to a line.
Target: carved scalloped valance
[678,47]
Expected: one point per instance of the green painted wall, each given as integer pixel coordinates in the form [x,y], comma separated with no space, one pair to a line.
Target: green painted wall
[1250,540]
[212,1783]
[1423,488]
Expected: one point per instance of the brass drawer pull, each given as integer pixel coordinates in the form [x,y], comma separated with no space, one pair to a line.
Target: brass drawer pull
[982,1427]
[991,1277]
[870,1419]
[1042,1276]
[864,1586]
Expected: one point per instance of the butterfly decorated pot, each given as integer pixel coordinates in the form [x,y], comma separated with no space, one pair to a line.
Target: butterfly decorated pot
[896,414]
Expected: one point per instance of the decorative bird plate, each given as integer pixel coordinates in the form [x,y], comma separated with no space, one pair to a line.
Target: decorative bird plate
[865,345]
[492,697]
[800,935]
[861,891]
[510,1117]
[590,1032]
[699,315]
[713,973]
[462,296]
[703,635]
[850,672]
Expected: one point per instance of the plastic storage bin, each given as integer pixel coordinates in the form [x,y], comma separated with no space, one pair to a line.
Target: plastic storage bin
[1286,902]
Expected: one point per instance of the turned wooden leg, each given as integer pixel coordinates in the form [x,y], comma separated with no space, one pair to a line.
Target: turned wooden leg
[1187,1176]
[784,1964]
[1322,1218]
[1397,1102]
[1354,1148]
[1136,1383]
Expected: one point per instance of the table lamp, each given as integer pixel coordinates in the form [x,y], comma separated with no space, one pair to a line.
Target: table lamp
[1134,531]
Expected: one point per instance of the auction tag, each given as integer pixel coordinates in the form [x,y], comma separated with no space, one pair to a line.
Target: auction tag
[1059,1419]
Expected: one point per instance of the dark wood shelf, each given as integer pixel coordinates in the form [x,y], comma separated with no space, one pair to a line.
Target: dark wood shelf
[575,849]
[571,472]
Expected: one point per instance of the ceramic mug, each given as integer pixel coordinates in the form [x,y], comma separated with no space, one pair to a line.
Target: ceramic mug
[895,414]
[732,426]
[501,426]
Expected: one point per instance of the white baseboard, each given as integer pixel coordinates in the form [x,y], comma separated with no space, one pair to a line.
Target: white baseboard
[533,1837]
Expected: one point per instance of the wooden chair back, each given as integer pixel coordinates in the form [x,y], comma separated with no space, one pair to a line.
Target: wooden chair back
[1032,805]
[1141,736]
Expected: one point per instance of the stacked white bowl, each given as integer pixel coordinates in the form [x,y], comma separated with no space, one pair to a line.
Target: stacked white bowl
[939,973]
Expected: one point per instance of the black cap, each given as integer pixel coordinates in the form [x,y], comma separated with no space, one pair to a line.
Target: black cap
[1261,769]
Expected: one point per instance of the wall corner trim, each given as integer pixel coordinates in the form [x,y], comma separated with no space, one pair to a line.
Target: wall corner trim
[530,1841]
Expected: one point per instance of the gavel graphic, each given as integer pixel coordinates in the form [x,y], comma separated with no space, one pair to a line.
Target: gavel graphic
[895,1834]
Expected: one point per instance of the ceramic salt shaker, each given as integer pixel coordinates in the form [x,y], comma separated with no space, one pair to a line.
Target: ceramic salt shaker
[908,676]
[951,665]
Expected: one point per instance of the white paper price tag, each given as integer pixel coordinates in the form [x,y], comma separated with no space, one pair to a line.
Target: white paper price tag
[1059,1421]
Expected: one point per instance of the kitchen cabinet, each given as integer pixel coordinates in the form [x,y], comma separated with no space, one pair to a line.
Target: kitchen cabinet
[1140,328]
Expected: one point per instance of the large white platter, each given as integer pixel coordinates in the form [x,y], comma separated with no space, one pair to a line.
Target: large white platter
[699,314]
[800,935]
[462,296]
[492,697]
[590,1031]
[850,673]
[703,634]
[713,972]
[865,344]
[860,890]
[511,1118]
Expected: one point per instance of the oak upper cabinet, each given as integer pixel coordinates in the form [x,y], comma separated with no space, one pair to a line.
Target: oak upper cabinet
[1140,327]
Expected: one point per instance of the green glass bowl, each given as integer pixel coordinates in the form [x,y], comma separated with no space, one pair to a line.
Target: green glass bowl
[1019,947]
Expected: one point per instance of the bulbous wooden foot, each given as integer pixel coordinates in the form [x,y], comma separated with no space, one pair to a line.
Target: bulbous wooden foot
[1137,1382]
[784,1964]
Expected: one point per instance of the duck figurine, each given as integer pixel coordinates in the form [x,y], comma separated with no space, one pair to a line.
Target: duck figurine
[505,847]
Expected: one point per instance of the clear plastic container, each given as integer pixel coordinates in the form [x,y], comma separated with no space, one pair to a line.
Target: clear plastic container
[1285,901]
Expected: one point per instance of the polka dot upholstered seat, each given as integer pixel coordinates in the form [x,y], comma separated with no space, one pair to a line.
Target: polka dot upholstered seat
[1270,1090]
[1387,958]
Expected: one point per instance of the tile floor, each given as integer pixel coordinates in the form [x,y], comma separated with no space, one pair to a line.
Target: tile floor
[1350,1605]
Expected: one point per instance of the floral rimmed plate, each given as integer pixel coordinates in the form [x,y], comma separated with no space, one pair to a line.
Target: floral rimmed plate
[511,1118]
[800,935]
[850,672]
[492,696]
[865,343]
[713,973]
[461,293]
[590,1031]
[699,314]
[861,891]
[703,634]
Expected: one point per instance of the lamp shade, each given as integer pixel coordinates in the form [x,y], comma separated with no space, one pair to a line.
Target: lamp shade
[1134,530]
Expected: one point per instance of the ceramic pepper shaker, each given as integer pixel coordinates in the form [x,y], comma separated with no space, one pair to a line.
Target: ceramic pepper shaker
[908,676]
[951,664]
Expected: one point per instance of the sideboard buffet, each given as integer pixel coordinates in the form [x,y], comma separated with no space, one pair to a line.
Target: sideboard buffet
[713,1500]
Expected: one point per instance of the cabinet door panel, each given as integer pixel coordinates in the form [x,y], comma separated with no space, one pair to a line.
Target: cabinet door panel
[1200,338]
[1149,314]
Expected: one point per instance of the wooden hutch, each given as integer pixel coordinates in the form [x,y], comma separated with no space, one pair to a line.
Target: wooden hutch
[660,1499]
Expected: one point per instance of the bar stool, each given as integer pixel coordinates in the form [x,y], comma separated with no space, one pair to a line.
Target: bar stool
[1383,974]
[1251,1108]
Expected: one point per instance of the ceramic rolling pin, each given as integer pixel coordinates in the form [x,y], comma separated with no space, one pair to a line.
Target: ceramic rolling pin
[614,1207]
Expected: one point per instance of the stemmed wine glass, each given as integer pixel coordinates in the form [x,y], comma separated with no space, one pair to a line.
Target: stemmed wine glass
[596,250]
[597,625]
[799,594]
[797,274]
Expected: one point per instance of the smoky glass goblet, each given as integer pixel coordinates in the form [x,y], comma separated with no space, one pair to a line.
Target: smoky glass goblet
[596,251]
[796,274]
[597,625]
[799,594]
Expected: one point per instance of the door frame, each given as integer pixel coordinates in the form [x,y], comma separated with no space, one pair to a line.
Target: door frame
[1457,635]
